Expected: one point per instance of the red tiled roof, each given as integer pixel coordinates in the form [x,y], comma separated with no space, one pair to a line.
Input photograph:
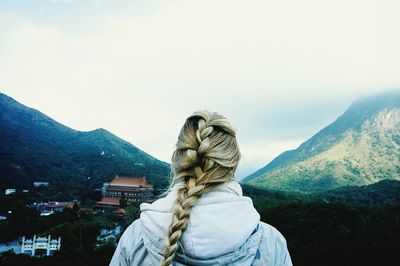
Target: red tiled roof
[129,182]
[129,189]
[108,201]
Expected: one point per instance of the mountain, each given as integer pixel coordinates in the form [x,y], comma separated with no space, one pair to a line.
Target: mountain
[360,148]
[35,147]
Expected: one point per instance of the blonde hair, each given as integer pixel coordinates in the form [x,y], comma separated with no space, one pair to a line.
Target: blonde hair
[206,155]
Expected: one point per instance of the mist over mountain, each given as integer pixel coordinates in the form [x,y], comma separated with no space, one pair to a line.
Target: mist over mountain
[360,148]
[35,147]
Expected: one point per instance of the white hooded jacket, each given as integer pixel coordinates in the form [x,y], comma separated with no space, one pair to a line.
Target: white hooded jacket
[223,229]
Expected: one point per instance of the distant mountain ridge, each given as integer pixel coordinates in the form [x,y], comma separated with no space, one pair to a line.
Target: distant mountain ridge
[36,147]
[361,147]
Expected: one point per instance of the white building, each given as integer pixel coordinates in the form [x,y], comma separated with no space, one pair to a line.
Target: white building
[41,184]
[10,191]
[43,243]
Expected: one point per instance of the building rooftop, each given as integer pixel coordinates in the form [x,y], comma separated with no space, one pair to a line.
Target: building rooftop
[124,181]
[108,201]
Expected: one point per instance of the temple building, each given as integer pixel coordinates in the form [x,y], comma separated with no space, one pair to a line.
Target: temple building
[128,189]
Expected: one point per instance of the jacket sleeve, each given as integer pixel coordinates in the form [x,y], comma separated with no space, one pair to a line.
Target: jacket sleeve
[273,248]
[130,249]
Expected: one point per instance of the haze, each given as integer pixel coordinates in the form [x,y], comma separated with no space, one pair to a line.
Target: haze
[279,70]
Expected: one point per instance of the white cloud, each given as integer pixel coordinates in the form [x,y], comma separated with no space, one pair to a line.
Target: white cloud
[63,1]
[140,76]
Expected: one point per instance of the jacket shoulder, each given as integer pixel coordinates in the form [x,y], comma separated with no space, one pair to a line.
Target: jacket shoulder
[272,249]
[130,243]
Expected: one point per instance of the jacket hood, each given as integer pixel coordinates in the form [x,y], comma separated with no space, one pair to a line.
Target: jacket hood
[221,221]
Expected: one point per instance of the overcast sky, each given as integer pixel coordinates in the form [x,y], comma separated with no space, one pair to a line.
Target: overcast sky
[278,70]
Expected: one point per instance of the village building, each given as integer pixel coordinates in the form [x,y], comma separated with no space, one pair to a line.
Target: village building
[37,184]
[128,189]
[9,191]
[48,208]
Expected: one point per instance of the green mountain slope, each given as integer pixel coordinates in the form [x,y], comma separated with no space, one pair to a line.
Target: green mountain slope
[361,147]
[35,147]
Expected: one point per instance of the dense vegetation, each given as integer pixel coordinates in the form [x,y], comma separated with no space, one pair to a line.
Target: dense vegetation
[318,231]
[352,225]
[361,147]
[385,193]
[35,147]
[364,232]
[77,227]
[336,234]
[27,221]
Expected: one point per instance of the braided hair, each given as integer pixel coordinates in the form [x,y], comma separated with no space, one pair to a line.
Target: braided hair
[206,155]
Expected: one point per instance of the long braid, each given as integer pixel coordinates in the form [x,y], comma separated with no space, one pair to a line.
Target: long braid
[199,167]
[186,197]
